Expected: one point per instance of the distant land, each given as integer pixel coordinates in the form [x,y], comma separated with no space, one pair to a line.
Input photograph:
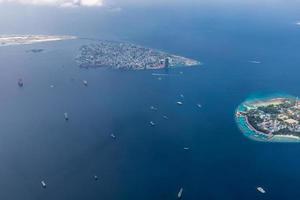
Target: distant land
[8,40]
[116,55]
[123,55]
[273,119]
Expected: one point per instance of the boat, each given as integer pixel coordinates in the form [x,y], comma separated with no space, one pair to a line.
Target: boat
[165,117]
[152,123]
[20,83]
[181,95]
[95,177]
[186,148]
[43,184]
[179,195]
[179,103]
[85,82]
[66,116]
[254,61]
[51,86]
[153,108]
[113,136]
[199,105]
[261,190]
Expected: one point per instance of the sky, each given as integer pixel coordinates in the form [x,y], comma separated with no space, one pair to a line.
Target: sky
[96,17]
[97,3]
[63,3]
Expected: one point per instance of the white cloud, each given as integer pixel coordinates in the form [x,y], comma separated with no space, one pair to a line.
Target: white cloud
[63,3]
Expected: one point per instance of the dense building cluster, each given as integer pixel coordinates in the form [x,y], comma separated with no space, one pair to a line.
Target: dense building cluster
[128,56]
[276,119]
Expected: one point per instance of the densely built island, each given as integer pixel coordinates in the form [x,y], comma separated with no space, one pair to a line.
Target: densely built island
[7,40]
[123,55]
[272,119]
[112,54]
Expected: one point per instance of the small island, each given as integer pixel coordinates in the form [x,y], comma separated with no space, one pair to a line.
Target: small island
[8,40]
[123,55]
[271,119]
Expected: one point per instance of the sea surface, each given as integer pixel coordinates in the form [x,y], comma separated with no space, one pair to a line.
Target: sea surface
[145,162]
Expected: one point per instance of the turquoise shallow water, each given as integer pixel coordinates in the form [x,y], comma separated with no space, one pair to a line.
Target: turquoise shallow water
[251,134]
[242,124]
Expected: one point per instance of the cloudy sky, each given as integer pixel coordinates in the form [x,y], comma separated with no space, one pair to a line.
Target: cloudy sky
[57,2]
[98,3]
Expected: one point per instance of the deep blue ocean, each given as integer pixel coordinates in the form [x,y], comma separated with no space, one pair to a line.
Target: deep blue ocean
[145,162]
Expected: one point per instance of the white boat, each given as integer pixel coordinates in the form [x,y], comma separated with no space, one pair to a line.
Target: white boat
[152,123]
[43,184]
[179,103]
[165,117]
[181,95]
[51,86]
[113,136]
[261,190]
[179,195]
[186,148]
[85,82]
[153,108]
[199,105]
[66,116]
[254,61]
[95,177]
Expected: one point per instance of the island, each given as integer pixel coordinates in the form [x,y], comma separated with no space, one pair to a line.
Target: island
[8,40]
[270,119]
[123,55]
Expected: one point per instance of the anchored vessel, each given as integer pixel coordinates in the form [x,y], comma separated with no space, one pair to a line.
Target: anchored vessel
[179,103]
[20,83]
[66,116]
[113,136]
[43,184]
[85,82]
[261,190]
[179,195]
[152,123]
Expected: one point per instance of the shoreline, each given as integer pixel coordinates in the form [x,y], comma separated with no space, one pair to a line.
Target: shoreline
[13,40]
[250,132]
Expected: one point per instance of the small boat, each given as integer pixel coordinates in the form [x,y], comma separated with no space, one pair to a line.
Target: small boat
[186,148]
[43,184]
[96,177]
[165,117]
[20,83]
[153,108]
[181,72]
[51,86]
[113,136]
[85,82]
[152,123]
[199,105]
[179,103]
[66,116]
[254,61]
[181,95]
[261,190]
[179,195]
